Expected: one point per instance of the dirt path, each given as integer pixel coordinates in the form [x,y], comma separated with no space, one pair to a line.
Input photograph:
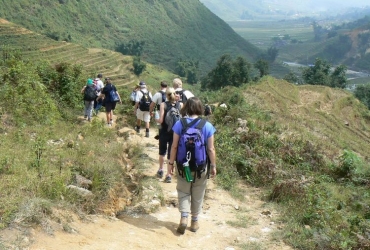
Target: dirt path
[158,230]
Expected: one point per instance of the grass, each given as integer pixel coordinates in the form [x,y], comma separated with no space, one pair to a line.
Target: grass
[298,149]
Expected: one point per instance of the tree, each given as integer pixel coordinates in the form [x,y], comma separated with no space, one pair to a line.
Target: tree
[272,54]
[262,66]
[227,73]
[291,77]
[362,93]
[317,74]
[338,77]
[241,71]
[138,65]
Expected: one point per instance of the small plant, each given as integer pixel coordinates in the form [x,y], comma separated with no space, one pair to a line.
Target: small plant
[348,163]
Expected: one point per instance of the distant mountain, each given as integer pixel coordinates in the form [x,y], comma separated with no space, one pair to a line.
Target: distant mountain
[167,30]
[231,10]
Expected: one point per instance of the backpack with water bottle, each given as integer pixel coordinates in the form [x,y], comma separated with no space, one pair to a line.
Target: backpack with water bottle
[192,148]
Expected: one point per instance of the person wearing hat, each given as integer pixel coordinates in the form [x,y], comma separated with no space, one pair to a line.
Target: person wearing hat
[89,97]
[141,108]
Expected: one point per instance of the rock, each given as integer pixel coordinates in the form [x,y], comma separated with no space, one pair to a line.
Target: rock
[236,207]
[80,191]
[83,182]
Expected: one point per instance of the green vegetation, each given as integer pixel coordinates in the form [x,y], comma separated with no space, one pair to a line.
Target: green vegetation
[272,136]
[163,32]
[320,74]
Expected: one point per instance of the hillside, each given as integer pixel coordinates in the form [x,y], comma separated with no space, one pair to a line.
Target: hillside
[170,30]
[330,117]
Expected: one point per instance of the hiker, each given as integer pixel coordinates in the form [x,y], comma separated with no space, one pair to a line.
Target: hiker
[110,97]
[191,194]
[133,94]
[207,110]
[166,136]
[157,99]
[99,85]
[183,94]
[141,108]
[89,97]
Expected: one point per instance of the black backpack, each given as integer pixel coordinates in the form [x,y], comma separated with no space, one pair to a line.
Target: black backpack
[183,97]
[145,101]
[89,93]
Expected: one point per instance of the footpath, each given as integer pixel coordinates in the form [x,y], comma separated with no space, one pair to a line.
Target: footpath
[225,223]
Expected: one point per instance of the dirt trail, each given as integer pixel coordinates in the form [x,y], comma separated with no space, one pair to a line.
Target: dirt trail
[158,230]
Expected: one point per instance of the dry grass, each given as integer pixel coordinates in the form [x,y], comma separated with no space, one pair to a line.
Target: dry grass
[332,117]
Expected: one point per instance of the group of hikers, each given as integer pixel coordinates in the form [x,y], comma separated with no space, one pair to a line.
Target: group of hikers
[185,136]
[98,94]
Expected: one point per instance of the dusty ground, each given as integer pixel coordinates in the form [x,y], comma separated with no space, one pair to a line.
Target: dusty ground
[158,230]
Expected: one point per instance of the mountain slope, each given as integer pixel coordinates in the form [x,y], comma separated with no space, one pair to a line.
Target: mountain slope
[171,30]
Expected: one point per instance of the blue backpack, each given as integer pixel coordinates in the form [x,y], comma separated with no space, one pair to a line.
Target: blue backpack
[192,140]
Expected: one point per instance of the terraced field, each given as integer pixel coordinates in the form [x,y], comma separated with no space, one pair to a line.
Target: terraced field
[35,46]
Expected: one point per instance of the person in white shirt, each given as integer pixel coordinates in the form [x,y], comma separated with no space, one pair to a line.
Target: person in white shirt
[99,85]
[183,94]
[141,109]
[157,99]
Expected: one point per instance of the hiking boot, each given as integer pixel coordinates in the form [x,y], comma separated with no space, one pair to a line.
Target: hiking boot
[160,173]
[137,129]
[89,119]
[182,225]
[156,137]
[146,134]
[85,116]
[168,179]
[194,226]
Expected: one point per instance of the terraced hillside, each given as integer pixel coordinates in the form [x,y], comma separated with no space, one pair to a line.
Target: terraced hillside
[35,46]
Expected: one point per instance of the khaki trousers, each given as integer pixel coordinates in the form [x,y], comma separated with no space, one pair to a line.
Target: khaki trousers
[191,194]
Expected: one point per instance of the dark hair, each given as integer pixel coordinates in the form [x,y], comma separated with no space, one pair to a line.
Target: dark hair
[193,106]
[100,75]
[163,84]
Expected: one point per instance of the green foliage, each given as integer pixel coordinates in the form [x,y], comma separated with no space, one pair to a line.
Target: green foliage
[272,54]
[132,48]
[171,30]
[138,65]
[319,74]
[22,87]
[227,73]
[362,92]
[291,77]
[188,69]
[262,66]
[348,163]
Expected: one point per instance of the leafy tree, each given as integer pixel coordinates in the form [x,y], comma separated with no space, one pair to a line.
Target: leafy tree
[262,66]
[291,77]
[138,65]
[272,54]
[241,71]
[188,69]
[227,73]
[338,78]
[133,48]
[362,92]
[317,74]
[221,75]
